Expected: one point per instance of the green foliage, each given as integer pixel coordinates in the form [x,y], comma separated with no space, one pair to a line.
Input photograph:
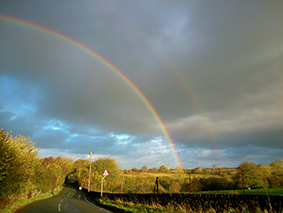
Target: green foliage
[111,183]
[155,206]
[144,168]
[197,170]
[23,174]
[110,164]
[135,169]
[277,168]
[195,185]
[18,158]
[81,168]
[252,176]
[56,169]
[119,206]
[153,170]
[163,169]
[215,183]
[138,184]
[41,177]
[24,202]
[6,155]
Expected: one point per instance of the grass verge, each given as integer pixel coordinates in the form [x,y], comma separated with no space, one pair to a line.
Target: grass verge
[129,207]
[21,203]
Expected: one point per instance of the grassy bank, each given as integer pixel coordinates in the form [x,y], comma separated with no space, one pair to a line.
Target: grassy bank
[25,202]
[129,207]
[119,206]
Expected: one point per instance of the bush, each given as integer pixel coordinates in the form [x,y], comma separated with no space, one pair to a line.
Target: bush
[17,160]
[23,174]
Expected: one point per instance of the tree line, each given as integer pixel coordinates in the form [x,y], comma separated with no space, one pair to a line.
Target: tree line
[247,175]
[23,174]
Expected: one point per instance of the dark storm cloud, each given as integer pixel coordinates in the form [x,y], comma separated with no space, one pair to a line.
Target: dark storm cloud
[211,70]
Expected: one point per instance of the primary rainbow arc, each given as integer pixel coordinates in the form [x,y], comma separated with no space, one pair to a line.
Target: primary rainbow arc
[106,63]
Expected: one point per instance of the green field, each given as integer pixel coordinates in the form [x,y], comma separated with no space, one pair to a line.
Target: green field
[270,191]
[172,182]
[171,175]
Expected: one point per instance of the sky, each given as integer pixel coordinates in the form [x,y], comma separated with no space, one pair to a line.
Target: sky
[189,83]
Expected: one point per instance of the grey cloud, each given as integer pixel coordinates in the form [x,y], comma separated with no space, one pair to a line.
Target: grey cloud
[211,70]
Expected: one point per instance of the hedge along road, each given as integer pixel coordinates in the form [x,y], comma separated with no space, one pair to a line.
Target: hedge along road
[69,199]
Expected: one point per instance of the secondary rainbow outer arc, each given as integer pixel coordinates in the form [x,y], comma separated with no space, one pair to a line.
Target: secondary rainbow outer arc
[106,63]
[177,75]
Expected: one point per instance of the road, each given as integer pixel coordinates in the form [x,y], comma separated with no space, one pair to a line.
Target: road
[69,200]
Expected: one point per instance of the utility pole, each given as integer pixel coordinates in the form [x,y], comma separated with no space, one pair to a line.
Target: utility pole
[90,156]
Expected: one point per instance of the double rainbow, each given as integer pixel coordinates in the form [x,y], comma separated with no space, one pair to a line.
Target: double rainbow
[179,77]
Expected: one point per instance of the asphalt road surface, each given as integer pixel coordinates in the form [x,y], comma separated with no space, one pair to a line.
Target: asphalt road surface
[69,200]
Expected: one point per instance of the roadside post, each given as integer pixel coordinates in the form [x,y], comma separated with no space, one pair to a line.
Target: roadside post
[105,174]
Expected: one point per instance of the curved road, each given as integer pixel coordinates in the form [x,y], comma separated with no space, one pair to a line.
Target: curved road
[69,200]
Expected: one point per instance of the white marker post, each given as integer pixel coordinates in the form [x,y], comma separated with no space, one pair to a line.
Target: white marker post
[105,174]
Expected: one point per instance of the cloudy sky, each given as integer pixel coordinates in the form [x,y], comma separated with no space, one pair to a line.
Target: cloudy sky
[211,70]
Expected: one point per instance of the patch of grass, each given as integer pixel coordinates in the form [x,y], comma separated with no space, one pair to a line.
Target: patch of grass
[269,191]
[21,203]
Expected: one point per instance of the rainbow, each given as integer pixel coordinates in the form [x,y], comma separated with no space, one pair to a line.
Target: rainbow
[33,26]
